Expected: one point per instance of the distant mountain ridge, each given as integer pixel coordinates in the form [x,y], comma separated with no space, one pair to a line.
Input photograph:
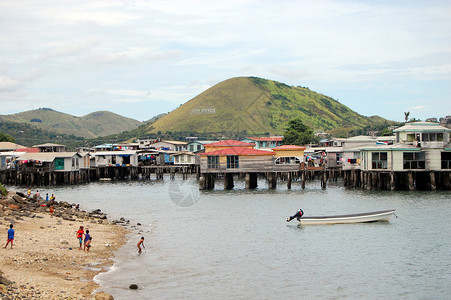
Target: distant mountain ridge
[259,106]
[100,123]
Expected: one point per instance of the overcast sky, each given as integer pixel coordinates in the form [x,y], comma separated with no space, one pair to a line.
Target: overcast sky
[143,58]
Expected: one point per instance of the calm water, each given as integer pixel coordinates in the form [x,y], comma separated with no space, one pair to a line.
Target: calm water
[237,245]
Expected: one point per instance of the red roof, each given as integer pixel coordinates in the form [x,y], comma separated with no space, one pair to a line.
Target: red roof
[237,151]
[266,139]
[289,147]
[28,150]
[229,143]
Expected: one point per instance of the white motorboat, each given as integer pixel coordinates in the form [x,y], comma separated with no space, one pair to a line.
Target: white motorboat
[375,216]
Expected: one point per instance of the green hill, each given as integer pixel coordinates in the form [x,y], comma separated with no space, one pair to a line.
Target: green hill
[95,124]
[258,106]
[27,135]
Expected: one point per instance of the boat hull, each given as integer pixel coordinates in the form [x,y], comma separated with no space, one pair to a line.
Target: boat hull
[375,216]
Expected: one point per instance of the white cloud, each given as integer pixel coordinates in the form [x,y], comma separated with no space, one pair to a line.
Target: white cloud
[420,107]
[7,84]
[114,52]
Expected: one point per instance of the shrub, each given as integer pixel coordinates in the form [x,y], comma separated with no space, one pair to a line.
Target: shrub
[3,190]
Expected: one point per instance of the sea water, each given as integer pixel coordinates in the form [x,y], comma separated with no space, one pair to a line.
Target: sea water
[236,244]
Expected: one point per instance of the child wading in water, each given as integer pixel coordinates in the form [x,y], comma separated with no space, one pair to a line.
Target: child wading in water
[80,234]
[141,243]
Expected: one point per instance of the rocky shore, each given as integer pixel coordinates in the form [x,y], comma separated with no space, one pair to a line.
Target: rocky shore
[45,262]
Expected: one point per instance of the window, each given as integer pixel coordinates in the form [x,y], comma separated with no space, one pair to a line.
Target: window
[379,160]
[446,160]
[213,162]
[191,148]
[432,137]
[232,162]
[59,163]
[287,160]
[199,147]
[413,160]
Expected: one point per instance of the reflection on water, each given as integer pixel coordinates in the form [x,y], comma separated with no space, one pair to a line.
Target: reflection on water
[236,244]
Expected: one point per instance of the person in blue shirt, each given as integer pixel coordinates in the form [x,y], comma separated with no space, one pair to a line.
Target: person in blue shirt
[10,236]
[87,236]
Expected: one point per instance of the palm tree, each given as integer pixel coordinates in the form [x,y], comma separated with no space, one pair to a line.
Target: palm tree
[406,115]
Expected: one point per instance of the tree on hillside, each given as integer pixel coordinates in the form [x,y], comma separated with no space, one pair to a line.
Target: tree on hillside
[6,138]
[297,133]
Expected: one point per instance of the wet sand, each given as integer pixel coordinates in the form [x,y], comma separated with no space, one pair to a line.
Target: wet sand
[46,262]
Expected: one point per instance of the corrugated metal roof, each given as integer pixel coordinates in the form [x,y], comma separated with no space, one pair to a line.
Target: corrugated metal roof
[10,146]
[359,138]
[266,139]
[183,153]
[47,156]
[397,147]
[203,142]
[171,142]
[49,145]
[422,126]
[126,152]
[238,151]
[230,143]
[289,147]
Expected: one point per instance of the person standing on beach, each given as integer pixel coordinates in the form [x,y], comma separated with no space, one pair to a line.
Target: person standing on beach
[10,236]
[51,209]
[87,236]
[80,234]
[141,243]
[29,193]
[88,243]
[47,197]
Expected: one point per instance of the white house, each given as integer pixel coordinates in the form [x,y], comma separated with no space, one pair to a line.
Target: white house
[197,146]
[50,161]
[264,143]
[169,145]
[115,158]
[420,146]
[184,158]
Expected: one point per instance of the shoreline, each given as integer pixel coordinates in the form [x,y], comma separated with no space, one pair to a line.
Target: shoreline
[45,262]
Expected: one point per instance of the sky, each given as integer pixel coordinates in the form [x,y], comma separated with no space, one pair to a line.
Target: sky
[142,58]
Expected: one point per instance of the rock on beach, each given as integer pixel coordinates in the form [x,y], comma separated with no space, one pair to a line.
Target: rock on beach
[45,262]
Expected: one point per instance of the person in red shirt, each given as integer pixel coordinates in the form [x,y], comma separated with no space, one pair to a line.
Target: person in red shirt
[80,234]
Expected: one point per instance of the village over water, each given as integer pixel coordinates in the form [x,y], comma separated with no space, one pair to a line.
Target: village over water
[416,157]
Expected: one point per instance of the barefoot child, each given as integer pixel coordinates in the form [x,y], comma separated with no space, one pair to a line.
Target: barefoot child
[88,243]
[140,243]
[80,234]
[10,236]
[87,239]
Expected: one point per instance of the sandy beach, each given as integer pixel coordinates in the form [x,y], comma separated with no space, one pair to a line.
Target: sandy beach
[45,262]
